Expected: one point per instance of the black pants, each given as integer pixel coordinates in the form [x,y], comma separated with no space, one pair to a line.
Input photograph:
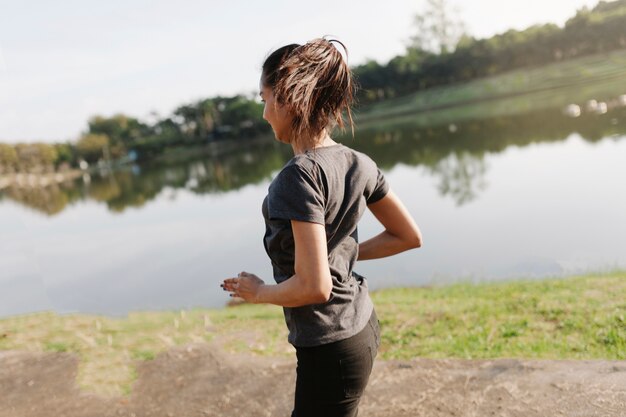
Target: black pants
[331,378]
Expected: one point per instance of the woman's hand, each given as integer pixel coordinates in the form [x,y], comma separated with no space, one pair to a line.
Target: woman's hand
[245,286]
[401,233]
[311,283]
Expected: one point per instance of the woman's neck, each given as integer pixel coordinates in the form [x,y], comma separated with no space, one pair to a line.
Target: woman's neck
[323,141]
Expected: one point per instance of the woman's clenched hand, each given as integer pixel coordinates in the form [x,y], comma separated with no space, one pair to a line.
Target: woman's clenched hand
[245,286]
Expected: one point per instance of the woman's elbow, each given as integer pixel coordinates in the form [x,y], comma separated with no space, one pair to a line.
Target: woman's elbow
[415,241]
[314,290]
[322,292]
[321,297]
[325,291]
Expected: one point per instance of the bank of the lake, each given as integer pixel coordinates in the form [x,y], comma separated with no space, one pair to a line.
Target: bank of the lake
[595,77]
[23,180]
[569,318]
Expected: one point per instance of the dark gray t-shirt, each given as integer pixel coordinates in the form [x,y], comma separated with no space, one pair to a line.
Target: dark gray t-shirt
[330,186]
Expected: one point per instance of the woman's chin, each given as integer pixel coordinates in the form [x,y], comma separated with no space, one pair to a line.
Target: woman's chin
[280,138]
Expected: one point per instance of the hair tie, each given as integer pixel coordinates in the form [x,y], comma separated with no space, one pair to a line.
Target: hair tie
[342,45]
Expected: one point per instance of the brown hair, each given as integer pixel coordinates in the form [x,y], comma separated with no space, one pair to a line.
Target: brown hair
[314,82]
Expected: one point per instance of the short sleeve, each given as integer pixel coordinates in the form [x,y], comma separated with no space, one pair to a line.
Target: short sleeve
[381,188]
[296,194]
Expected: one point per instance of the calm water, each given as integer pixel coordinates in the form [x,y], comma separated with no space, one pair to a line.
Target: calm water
[532,195]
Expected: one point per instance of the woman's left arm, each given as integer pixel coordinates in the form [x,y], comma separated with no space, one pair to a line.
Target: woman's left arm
[311,283]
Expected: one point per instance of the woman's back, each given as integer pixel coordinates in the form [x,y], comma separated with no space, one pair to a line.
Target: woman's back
[331,186]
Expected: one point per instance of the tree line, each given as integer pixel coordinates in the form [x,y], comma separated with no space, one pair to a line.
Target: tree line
[437,56]
[121,136]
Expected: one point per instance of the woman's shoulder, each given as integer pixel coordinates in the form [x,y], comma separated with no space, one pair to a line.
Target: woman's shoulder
[297,169]
[352,157]
[320,163]
[299,164]
[335,154]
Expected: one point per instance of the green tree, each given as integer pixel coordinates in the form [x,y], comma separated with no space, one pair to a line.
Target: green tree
[197,121]
[8,158]
[48,154]
[240,116]
[437,56]
[92,147]
[438,28]
[123,132]
[373,78]
[66,153]
[35,157]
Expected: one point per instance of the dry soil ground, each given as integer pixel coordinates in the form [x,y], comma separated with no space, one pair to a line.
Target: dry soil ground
[202,380]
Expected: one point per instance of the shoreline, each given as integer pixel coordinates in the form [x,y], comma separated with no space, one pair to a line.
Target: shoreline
[28,180]
[576,318]
[235,303]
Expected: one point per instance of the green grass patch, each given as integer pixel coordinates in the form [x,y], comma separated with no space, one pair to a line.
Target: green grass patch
[574,318]
[56,346]
[143,355]
[570,318]
[555,85]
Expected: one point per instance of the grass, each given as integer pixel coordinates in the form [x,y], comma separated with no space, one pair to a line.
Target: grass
[571,318]
[599,76]
[574,318]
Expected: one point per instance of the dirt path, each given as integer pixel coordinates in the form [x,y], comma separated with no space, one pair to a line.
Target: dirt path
[201,380]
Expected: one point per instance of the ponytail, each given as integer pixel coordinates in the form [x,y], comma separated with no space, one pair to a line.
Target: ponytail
[315,83]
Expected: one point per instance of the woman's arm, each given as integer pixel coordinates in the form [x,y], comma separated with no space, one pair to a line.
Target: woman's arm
[311,283]
[401,233]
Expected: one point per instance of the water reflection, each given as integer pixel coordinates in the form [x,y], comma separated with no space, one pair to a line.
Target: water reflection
[490,205]
[452,154]
[135,186]
[50,200]
[461,176]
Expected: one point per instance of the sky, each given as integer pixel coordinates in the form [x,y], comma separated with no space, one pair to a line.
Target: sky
[64,62]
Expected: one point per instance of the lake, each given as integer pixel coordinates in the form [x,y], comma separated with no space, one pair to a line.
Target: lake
[530,195]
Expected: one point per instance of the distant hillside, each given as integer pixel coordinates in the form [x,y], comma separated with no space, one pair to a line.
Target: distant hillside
[600,29]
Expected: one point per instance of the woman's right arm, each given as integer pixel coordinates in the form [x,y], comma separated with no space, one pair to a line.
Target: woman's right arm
[400,234]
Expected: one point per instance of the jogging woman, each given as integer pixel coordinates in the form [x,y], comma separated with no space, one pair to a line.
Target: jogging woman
[311,213]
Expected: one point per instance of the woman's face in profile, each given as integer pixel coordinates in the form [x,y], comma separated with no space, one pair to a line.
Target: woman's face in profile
[276,114]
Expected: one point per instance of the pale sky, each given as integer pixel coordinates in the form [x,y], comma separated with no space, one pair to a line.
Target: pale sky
[63,62]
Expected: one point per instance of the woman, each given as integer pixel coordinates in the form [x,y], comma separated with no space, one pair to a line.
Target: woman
[311,214]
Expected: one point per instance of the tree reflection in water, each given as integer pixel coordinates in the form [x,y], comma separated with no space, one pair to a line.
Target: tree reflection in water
[455,157]
[461,176]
